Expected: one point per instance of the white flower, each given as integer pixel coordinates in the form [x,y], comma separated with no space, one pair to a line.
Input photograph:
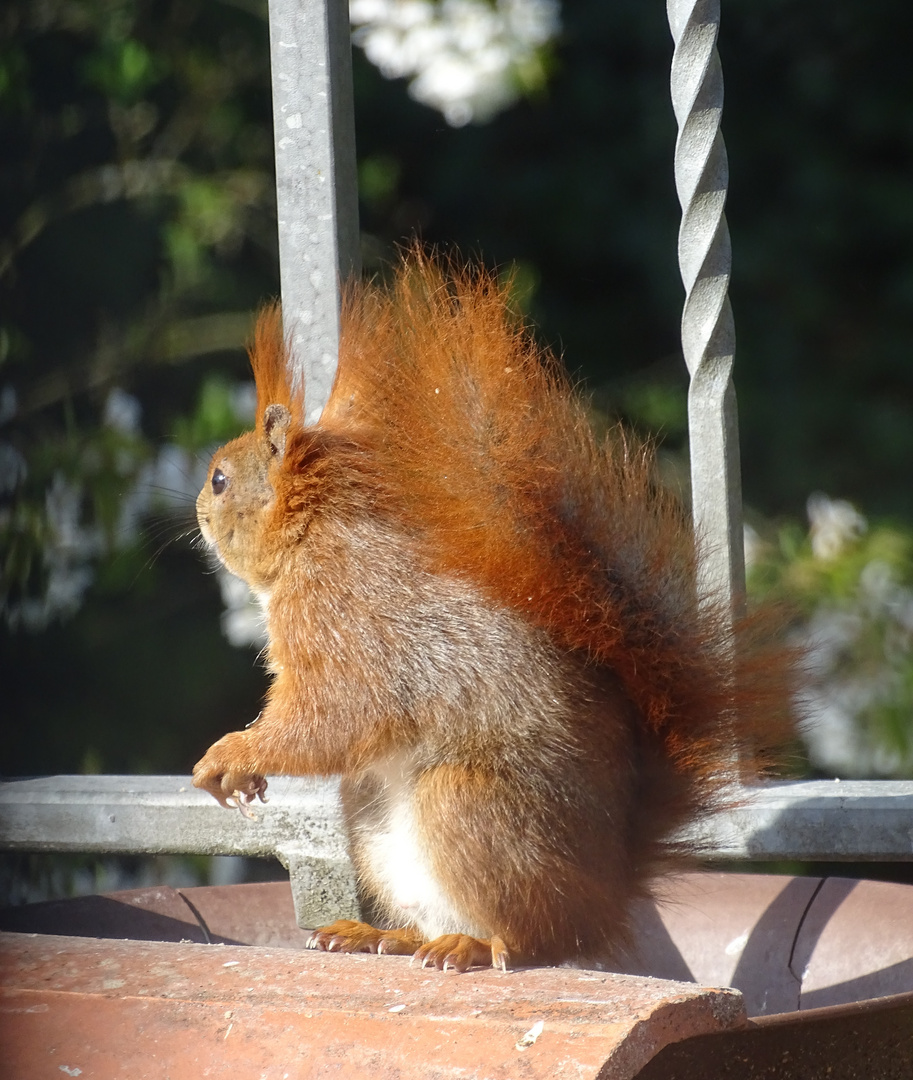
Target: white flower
[856,656]
[13,468]
[753,546]
[243,620]
[70,547]
[833,524]
[122,412]
[465,58]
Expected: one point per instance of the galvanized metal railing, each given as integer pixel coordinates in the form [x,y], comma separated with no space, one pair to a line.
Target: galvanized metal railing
[316,181]
[301,826]
[318,244]
[708,332]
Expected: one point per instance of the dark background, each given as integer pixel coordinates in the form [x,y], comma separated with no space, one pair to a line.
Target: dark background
[138,231]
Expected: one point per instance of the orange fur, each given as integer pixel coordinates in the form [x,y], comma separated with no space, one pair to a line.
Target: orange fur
[269,356]
[487,621]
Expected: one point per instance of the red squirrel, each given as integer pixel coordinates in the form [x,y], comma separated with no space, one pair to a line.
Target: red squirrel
[487,621]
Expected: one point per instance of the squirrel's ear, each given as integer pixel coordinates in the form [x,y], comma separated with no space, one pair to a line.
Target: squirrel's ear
[276,422]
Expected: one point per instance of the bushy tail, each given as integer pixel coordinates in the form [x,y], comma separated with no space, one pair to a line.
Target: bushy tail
[496,468]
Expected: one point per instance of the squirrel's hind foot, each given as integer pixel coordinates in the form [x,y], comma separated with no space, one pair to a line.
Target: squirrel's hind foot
[459,952]
[346,935]
[449,952]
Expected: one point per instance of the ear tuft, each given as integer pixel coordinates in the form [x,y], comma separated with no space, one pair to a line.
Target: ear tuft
[276,420]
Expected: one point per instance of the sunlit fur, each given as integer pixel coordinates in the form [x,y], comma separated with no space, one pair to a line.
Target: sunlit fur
[486,620]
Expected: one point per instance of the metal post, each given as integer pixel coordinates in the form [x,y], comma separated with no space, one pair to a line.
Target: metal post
[708,335]
[316,185]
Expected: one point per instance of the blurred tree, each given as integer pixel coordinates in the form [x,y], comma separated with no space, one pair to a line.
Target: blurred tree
[577,183]
[851,586]
[138,233]
[138,229]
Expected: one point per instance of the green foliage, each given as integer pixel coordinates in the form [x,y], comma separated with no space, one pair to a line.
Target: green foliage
[852,593]
[215,419]
[658,406]
[523,280]
[68,510]
[15,95]
[137,231]
[378,177]
[123,70]
[205,219]
[788,568]
[140,200]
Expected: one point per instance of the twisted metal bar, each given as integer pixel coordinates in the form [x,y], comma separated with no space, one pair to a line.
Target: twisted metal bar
[708,334]
[316,188]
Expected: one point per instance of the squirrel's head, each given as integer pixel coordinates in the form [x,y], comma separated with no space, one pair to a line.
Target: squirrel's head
[237,500]
[264,488]
[239,495]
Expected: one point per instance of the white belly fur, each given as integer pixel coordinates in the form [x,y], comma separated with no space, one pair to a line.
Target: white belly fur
[399,865]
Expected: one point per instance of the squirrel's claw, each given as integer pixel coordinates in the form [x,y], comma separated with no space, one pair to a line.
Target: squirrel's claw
[346,935]
[500,957]
[451,952]
[241,801]
[218,772]
[460,952]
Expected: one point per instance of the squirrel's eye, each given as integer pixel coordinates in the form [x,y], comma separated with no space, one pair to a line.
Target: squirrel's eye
[219,482]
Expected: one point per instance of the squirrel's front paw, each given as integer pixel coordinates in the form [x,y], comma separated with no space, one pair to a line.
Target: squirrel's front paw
[225,772]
